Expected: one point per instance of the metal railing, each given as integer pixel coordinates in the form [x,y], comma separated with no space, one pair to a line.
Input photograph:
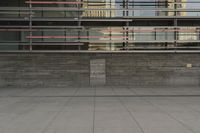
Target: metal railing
[108,38]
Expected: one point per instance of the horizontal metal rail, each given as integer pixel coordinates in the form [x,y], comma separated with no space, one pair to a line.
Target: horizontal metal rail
[144,30]
[122,19]
[110,41]
[99,9]
[51,2]
[93,27]
[73,37]
[100,51]
[107,2]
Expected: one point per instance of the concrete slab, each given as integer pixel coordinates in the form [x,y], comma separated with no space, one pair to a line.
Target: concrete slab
[99,110]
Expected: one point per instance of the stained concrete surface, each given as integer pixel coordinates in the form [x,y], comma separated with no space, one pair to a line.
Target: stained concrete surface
[48,70]
[100,110]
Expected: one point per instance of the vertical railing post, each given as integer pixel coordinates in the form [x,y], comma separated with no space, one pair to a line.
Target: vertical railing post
[110,37]
[110,32]
[30,25]
[175,24]
[127,25]
[79,22]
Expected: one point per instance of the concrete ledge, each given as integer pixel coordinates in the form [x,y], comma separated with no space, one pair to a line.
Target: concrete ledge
[124,52]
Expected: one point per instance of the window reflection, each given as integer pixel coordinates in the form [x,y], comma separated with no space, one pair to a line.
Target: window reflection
[106,9]
[189,34]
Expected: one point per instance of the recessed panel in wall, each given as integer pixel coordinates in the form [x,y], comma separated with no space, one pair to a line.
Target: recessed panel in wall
[97,72]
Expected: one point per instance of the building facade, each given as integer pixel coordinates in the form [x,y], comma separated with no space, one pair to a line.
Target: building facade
[99,25]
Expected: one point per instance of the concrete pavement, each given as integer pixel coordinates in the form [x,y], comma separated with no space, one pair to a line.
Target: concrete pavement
[100,110]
